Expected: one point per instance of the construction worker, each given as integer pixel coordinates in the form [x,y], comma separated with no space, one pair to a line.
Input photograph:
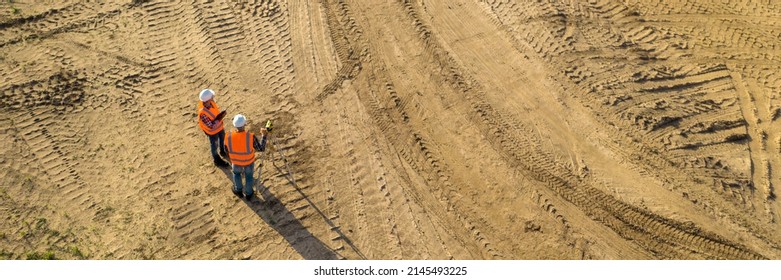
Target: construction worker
[210,121]
[242,146]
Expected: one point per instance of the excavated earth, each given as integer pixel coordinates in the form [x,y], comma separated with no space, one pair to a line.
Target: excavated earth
[404,129]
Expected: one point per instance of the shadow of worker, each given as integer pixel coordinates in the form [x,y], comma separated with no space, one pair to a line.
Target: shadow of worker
[276,215]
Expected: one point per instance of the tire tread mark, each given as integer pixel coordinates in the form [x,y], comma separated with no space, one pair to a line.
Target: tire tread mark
[532,161]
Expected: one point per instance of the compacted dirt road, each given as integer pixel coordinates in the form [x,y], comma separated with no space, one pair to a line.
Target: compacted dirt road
[404,129]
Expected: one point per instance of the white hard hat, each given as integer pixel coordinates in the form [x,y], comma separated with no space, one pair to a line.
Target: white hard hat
[206,95]
[239,120]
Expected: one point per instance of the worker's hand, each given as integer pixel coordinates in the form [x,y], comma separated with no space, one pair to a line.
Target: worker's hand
[263,131]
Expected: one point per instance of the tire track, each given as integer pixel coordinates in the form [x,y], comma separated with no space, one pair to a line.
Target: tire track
[57,154]
[715,35]
[347,55]
[358,176]
[741,7]
[41,104]
[404,229]
[656,53]
[225,30]
[77,16]
[270,46]
[548,206]
[308,27]
[19,23]
[70,98]
[193,221]
[755,108]
[723,32]
[540,25]
[757,87]
[422,157]
[63,89]
[655,233]
[167,61]
[337,200]
[159,58]
[372,189]
[398,222]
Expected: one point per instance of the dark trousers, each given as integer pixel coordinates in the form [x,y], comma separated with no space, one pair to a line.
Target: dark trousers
[217,141]
[247,173]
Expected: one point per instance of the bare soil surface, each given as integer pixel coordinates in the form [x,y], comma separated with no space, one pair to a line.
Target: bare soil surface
[404,129]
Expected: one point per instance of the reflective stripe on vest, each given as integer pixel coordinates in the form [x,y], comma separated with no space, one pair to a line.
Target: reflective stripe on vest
[212,114]
[240,150]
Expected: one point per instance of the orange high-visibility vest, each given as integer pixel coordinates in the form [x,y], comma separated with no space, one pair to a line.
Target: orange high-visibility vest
[212,114]
[240,148]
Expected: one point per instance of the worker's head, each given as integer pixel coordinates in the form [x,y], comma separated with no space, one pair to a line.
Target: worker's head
[239,121]
[206,96]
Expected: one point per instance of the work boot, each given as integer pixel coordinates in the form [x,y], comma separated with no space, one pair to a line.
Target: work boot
[220,162]
[238,193]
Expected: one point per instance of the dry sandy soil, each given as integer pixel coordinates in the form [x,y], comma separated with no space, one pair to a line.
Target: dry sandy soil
[405,129]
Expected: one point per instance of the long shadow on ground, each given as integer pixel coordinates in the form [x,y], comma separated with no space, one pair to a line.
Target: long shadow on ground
[272,211]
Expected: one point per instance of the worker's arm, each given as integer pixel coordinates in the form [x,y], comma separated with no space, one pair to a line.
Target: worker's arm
[207,121]
[225,142]
[221,115]
[260,145]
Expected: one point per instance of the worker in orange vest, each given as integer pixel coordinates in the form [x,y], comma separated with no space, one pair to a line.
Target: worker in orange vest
[242,145]
[210,121]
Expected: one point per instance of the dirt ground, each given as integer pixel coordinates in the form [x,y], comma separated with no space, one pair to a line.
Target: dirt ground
[404,129]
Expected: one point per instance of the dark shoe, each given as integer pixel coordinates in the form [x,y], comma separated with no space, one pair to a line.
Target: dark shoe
[239,194]
[220,163]
[249,197]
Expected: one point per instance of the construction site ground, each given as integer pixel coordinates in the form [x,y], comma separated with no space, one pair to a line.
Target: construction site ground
[404,129]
